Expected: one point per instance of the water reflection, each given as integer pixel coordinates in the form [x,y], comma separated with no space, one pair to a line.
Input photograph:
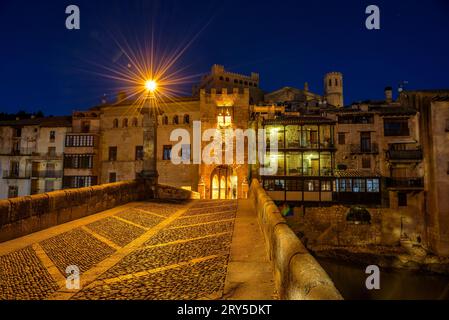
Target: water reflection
[350,279]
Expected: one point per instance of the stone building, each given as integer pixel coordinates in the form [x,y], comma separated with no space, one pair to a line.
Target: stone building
[31,155]
[219,79]
[81,156]
[433,108]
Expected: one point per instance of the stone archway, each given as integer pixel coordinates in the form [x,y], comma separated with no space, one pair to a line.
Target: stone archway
[224,183]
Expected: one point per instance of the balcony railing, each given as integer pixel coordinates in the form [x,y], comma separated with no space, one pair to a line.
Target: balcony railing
[405,154]
[17,151]
[15,174]
[405,183]
[47,174]
[369,148]
[48,155]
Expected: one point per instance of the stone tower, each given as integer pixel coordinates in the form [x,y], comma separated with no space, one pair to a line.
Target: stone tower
[333,88]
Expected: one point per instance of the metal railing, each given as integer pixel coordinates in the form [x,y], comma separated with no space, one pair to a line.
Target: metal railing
[413,183]
[405,154]
[47,174]
[15,174]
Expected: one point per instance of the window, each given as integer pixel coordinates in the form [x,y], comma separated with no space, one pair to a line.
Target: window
[341,138]
[224,118]
[85,126]
[312,185]
[79,181]
[49,185]
[17,132]
[365,141]
[166,155]
[78,161]
[115,123]
[336,82]
[135,122]
[185,152]
[79,141]
[344,185]
[330,82]
[359,185]
[175,120]
[52,136]
[294,185]
[13,191]
[164,120]
[112,153]
[52,151]
[326,185]
[274,185]
[402,199]
[125,123]
[139,152]
[186,119]
[366,163]
[372,185]
[112,177]
[15,169]
[396,127]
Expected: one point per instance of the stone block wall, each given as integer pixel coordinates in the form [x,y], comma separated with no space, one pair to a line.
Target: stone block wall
[25,215]
[298,276]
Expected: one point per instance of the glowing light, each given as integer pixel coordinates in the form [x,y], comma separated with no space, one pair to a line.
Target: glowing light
[151,86]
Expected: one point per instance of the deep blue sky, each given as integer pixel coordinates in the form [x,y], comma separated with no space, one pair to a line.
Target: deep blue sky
[45,66]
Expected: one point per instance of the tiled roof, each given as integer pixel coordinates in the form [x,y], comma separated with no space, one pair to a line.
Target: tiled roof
[64,121]
[354,173]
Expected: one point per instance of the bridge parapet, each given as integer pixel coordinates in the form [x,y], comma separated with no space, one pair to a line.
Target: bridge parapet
[25,215]
[298,276]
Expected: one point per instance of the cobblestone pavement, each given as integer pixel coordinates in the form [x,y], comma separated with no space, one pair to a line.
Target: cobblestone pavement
[146,250]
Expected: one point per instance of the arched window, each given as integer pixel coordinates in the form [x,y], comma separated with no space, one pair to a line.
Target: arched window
[330,82]
[358,215]
[186,119]
[164,120]
[125,123]
[135,122]
[175,120]
[336,82]
[115,123]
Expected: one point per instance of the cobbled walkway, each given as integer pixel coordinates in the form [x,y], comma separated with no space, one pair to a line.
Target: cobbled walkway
[145,250]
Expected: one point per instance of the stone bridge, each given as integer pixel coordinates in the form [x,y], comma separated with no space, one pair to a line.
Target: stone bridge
[175,247]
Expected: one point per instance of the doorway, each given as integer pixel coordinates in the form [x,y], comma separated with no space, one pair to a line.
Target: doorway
[224,183]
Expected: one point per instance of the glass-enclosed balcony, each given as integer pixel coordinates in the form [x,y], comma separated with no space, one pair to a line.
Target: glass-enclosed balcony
[301,136]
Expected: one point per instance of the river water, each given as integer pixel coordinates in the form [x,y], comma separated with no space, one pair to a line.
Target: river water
[350,279]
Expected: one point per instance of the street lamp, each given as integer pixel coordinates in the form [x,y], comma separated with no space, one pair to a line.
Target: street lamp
[149,112]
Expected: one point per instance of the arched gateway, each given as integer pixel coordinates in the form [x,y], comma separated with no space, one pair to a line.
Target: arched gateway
[224,183]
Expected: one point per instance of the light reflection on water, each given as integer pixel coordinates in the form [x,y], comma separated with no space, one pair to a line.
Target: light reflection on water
[350,279]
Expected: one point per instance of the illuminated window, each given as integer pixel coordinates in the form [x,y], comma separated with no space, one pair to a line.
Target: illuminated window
[224,118]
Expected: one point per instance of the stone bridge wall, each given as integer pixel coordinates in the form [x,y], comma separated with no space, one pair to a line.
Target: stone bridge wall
[298,275]
[24,215]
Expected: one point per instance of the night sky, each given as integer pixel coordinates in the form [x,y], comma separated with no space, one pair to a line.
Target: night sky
[45,66]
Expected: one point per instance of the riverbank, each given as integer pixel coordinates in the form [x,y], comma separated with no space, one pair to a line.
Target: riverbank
[410,258]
